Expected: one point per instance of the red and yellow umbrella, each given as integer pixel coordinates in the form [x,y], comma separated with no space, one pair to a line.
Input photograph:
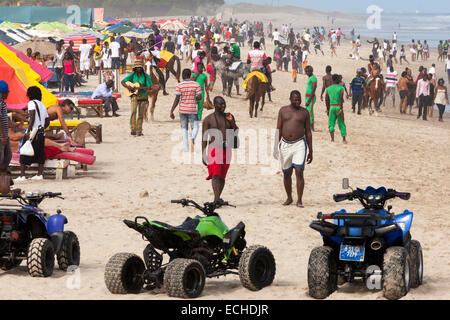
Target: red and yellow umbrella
[19,78]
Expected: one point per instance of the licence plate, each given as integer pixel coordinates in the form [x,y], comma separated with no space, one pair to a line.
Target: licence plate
[352,253]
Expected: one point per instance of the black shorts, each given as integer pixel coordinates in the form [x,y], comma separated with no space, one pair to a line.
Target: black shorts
[403,94]
[38,144]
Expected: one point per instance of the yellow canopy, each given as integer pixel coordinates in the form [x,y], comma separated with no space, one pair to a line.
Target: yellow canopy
[27,75]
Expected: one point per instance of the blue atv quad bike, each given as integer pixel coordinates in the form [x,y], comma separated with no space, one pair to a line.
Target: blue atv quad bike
[28,233]
[372,244]
[198,248]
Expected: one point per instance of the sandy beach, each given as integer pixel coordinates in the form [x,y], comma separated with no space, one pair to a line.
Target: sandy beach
[390,149]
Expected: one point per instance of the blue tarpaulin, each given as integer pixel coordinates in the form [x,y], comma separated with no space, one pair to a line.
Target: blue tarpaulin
[67,15]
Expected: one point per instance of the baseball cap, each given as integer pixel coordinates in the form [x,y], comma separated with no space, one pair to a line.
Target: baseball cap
[3,86]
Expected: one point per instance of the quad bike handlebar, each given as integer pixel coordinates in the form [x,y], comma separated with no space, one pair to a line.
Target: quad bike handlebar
[32,198]
[391,193]
[371,200]
[207,209]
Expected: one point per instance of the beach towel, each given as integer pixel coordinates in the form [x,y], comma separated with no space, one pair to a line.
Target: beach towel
[259,74]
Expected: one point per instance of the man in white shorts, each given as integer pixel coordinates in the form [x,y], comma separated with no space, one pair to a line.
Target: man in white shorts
[294,138]
[85,55]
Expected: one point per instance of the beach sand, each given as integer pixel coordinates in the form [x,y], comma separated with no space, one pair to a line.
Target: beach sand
[386,150]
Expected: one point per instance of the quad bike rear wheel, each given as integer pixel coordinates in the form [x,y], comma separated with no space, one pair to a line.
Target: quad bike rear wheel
[416,267]
[257,268]
[322,272]
[123,273]
[70,251]
[40,258]
[396,273]
[184,278]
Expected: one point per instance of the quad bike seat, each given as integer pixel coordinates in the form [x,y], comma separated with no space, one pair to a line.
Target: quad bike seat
[188,226]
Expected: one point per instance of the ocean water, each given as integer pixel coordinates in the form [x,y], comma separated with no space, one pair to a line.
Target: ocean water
[420,26]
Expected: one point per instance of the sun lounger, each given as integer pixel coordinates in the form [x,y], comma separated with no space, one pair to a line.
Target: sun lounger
[65,164]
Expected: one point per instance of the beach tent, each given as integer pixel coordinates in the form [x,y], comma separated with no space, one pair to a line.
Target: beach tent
[43,46]
[20,77]
[120,24]
[138,33]
[6,39]
[42,71]
[173,25]
[77,39]
[8,25]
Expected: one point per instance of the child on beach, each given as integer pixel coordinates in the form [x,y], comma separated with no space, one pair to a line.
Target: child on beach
[294,66]
[333,49]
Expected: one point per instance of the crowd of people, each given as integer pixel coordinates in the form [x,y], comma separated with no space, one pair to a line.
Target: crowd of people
[204,44]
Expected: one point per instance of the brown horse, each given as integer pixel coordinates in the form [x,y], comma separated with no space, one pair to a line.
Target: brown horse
[256,90]
[170,68]
[153,93]
[373,94]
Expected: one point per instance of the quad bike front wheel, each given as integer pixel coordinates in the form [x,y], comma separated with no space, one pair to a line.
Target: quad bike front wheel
[396,273]
[257,268]
[322,272]
[416,267]
[123,273]
[70,251]
[184,278]
[40,258]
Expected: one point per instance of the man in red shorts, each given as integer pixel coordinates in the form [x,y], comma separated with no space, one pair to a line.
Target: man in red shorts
[219,135]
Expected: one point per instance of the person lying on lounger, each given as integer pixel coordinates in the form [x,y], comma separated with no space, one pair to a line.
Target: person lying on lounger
[57,112]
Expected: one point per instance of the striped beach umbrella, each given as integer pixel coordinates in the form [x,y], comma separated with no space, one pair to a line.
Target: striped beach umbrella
[77,39]
[42,71]
[20,77]
[173,25]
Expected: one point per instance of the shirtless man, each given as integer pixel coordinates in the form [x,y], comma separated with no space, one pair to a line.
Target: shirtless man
[217,157]
[57,112]
[326,80]
[293,134]
[402,86]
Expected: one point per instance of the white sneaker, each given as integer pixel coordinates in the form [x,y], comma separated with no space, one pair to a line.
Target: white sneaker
[37,177]
[19,179]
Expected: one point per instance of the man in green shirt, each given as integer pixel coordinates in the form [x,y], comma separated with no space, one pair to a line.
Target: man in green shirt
[334,98]
[310,96]
[236,51]
[202,80]
[139,98]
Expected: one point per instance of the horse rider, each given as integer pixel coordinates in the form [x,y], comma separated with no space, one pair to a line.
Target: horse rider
[153,55]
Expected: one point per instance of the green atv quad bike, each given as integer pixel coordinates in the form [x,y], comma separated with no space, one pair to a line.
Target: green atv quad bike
[198,248]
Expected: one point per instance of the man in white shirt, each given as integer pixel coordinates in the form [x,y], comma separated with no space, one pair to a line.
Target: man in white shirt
[276,35]
[104,92]
[391,81]
[85,54]
[433,70]
[180,44]
[38,120]
[115,53]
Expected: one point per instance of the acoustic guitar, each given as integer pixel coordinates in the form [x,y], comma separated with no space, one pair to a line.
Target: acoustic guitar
[138,86]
